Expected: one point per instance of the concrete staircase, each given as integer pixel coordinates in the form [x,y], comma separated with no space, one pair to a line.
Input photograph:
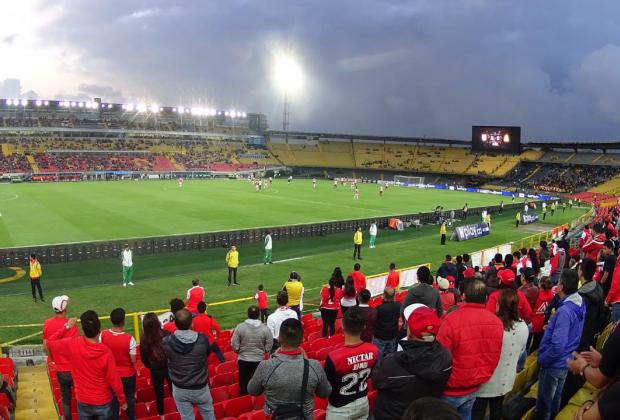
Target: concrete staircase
[34,396]
[163,164]
[33,164]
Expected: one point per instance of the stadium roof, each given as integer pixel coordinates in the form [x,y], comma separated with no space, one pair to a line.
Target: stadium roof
[336,136]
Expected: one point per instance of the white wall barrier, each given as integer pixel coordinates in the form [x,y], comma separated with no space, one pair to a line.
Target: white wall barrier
[408,277]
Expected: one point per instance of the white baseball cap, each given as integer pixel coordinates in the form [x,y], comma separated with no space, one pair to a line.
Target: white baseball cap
[59,303]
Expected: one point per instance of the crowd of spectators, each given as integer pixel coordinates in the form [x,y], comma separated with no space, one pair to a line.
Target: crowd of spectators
[558,178]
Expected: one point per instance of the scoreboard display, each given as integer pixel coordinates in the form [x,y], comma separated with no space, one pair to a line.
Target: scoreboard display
[502,139]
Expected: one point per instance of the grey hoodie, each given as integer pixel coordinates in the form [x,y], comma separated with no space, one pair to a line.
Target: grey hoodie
[251,340]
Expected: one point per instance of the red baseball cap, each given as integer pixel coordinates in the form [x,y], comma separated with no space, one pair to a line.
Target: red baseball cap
[421,319]
[506,276]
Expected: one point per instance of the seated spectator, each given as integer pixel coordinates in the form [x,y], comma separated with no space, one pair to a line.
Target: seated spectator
[492,392]
[353,360]
[423,292]
[349,296]
[195,294]
[123,348]
[330,304]
[55,328]
[386,327]
[93,368]
[187,352]
[279,315]
[205,324]
[370,314]
[359,279]
[429,408]
[175,306]
[283,391]
[420,368]
[153,356]
[560,339]
[507,281]
[250,340]
[473,335]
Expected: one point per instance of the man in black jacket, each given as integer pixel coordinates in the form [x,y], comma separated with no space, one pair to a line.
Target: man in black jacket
[424,292]
[187,352]
[386,327]
[420,368]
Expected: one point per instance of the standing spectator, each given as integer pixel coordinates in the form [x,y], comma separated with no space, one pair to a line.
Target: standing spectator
[507,281]
[386,327]
[153,356]
[460,269]
[35,277]
[514,341]
[279,316]
[357,243]
[206,324]
[349,400]
[543,253]
[261,299]
[613,297]
[295,291]
[560,339]
[268,249]
[528,288]
[545,296]
[123,347]
[349,296]
[423,292]
[369,313]
[176,305]
[447,268]
[359,279]
[473,336]
[393,277]
[373,235]
[534,260]
[58,328]
[337,277]
[419,369]
[283,390]
[608,258]
[595,243]
[447,296]
[330,303]
[92,368]
[127,263]
[250,340]
[187,352]
[443,231]
[195,294]
[232,262]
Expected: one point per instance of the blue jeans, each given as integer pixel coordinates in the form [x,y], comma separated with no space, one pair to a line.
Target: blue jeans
[615,312]
[94,412]
[462,404]
[550,385]
[385,347]
[186,398]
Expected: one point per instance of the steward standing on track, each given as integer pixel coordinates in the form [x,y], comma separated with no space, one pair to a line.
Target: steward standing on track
[35,277]
[268,248]
[232,261]
[357,243]
[443,230]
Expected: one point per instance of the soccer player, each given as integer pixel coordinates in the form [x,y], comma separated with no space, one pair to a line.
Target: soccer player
[314,183]
[268,248]
[127,262]
[290,178]
[381,191]
[357,243]
[465,210]
[256,185]
[35,277]
[356,194]
[348,369]
[180,181]
[501,207]
[195,294]
[335,183]
[544,212]
[373,234]
[232,262]
[443,230]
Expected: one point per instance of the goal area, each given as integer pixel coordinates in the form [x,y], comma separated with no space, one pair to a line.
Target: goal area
[408,180]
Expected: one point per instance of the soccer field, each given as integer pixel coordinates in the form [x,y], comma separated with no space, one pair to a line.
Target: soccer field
[52,213]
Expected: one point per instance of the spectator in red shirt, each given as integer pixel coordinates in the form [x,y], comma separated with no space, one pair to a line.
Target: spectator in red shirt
[176,305]
[123,348]
[507,280]
[448,298]
[545,295]
[261,299]
[330,303]
[595,243]
[348,369]
[92,367]
[206,324]
[359,279]
[369,313]
[194,295]
[393,278]
[57,326]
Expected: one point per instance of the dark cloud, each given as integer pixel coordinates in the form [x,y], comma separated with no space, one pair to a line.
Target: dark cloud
[420,67]
[107,92]
[12,88]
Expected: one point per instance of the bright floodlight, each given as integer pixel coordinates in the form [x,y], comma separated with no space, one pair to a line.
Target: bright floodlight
[154,108]
[141,108]
[38,102]
[288,75]
[46,103]
[23,102]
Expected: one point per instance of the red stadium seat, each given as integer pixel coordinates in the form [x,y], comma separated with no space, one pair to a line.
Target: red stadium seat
[211,369]
[226,368]
[238,406]
[169,405]
[313,336]
[219,394]
[143,382]
[322,354]
[139,418]
[222,380]
[233,390]
[258,402]
[219,410]
[254,415]
[336,340]
[146,395]
[306,318]
[319,344]
[231,356]
[142,410]
[172,416]
[225,335]
[319,414]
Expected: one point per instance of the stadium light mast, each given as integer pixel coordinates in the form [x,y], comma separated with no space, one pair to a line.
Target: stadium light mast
[288,78]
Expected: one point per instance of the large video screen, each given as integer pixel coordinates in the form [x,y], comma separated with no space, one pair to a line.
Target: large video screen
[486,138]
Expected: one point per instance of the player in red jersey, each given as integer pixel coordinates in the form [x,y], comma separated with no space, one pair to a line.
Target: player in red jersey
[348,369]
[194,295]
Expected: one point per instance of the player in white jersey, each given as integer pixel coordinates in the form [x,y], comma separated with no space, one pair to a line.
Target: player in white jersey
[381,191]
[180,182]
[335,183]
[356,194]
[314,183]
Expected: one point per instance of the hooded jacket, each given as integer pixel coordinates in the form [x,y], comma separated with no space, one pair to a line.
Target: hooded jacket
[93,370]
[594,299]
[425,294]
[421,369]
[187,352]
[251,340]
[593,246]
[563,333]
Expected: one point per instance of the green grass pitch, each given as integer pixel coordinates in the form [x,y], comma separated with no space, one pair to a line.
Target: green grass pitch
[96,284]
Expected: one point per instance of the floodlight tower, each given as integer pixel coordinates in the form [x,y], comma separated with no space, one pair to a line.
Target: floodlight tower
[288,77]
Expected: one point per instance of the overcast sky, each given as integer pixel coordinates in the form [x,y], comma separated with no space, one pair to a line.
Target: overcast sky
[414,68]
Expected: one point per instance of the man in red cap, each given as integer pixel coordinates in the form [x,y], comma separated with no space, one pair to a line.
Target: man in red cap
[420,368]
[507,280]
[474,338]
